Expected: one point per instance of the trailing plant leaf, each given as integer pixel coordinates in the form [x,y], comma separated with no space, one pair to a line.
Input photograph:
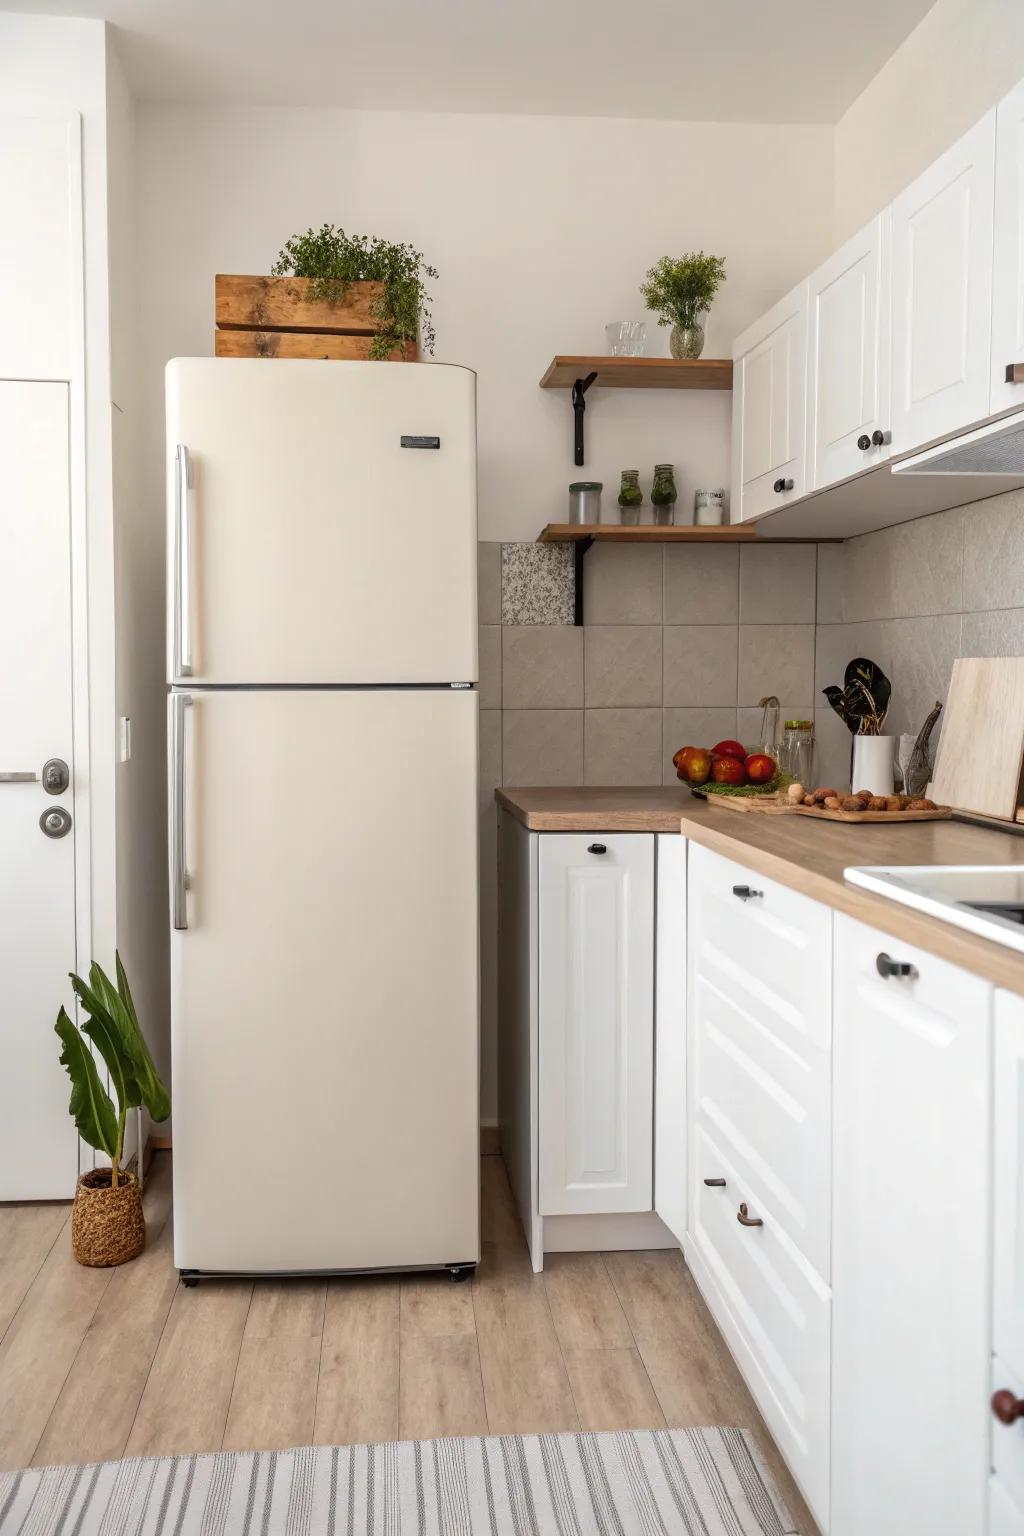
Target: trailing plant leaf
[333,261]
[90,1105]
[154,1095]
[679,289]
[103,1002]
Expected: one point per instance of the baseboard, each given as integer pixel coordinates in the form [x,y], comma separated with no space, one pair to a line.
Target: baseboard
[589,1234]
[158,1144]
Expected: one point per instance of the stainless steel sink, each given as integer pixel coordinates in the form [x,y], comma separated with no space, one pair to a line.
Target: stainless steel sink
[986,899]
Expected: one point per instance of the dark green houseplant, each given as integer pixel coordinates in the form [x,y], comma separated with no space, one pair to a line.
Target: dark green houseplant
[107,1224]
[680,289]
[333,261]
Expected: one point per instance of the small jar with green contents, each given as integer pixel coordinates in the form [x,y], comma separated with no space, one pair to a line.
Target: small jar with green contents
[631,497]
[664,494]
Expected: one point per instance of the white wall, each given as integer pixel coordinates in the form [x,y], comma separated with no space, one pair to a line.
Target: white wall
[960,59]
[542,229]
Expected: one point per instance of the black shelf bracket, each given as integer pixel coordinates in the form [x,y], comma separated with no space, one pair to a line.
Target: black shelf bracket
[579,405]
[579,549]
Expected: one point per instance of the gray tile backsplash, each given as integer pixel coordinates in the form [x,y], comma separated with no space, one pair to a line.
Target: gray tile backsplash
[542,667]
[701,584]
[777,584]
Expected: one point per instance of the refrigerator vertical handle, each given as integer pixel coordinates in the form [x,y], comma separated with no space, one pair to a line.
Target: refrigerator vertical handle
[179,877]
[184,479]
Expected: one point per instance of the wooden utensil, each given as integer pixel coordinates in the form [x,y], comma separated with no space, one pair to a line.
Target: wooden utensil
[981,749]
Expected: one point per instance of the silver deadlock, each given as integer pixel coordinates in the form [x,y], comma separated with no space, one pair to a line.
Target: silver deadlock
[56,775]
[55,822]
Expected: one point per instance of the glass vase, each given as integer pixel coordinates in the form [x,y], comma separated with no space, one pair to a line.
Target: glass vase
[686,341]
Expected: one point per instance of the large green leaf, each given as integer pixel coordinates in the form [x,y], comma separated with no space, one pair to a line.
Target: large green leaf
[118,1003]
[101,1029]
[90,1106]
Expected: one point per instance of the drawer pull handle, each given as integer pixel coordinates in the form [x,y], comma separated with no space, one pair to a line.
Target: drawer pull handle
[597,848]
[715,1183]
[1007,1408]
[887,967]
[745,893]
[745,1220]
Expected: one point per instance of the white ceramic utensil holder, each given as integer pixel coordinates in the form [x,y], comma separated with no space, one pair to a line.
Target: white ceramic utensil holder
[872,764]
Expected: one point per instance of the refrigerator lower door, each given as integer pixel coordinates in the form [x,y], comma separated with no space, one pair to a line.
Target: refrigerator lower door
[322,522]
[325,989]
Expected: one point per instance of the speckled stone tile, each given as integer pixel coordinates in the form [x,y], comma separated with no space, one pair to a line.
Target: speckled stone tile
[537,584]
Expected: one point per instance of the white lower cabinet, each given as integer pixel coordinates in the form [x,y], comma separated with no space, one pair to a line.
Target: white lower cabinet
[759,1038]
[596,999]
[1006,1489]
[910,1320]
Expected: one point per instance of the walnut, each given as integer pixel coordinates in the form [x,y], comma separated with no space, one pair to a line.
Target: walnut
[878,803]
[893,803]
[921,804]
[853,803]
[821,795]
[809,800]
[832,803]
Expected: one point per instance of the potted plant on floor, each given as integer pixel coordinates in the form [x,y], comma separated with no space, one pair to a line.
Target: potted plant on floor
[680,289]
[107,1224]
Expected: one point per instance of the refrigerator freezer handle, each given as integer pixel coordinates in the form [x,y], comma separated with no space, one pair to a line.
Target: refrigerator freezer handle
[179,876]
[184,480]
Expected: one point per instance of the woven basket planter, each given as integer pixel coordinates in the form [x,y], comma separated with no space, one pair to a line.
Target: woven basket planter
[107,1225]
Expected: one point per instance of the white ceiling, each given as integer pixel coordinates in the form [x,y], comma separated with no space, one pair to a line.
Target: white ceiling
[729,60]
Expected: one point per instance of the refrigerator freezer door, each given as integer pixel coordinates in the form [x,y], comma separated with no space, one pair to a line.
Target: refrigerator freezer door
[325,991]
[306,544]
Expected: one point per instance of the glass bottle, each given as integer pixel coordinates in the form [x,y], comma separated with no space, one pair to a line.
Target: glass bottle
[797,752]
[664,493]
[631,497]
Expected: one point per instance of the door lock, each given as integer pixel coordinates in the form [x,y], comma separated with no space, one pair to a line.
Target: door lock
[55,822]
[56,776]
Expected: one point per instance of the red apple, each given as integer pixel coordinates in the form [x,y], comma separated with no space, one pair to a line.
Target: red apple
[760,767]
[679,759]
[729,749]
[729,770]
[698,766]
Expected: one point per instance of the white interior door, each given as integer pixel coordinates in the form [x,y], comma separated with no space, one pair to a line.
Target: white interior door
[1008,259]
[596,1033]
[317,543]
[38,1143]
[942,292]
[325,991]
[849,357]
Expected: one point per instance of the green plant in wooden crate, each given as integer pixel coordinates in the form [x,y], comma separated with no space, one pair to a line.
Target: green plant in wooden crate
[113,1027]
[333,261]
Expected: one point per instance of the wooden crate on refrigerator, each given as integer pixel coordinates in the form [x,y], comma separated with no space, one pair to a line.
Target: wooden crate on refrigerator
[276,317]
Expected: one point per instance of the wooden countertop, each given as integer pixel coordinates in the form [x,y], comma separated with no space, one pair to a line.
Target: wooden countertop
[801,852]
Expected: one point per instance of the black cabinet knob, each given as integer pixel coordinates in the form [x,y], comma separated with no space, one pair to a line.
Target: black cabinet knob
[863,442]
[745,892]
[782,485]
[597,848]
[715,1183]
[887,967]
[878,437]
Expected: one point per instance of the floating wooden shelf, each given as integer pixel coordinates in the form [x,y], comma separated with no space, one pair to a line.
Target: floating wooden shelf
[649,533]
[580,373]
[582,535]
[640,372]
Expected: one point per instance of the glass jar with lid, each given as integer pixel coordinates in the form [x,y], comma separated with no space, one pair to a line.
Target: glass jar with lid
[664,493]
[796,755]
[631,497]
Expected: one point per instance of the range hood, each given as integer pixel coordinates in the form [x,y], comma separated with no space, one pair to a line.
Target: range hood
[997,448]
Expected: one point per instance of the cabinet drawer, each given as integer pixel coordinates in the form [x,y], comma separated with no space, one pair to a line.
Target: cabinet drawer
[763,1090]
[774,1311]
[771,952]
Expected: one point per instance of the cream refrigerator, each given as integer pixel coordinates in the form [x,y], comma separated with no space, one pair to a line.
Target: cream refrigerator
[322,640]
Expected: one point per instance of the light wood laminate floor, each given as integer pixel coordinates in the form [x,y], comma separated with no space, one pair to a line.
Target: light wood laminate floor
[96,1364]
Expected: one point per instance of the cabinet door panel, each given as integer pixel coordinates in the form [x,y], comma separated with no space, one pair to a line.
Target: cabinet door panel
[768,408]
[849,356]
[1007,1439]
[912,1058]
[1008,1167]
[942,292]
[670,1135]
[596,993]
[1008,260]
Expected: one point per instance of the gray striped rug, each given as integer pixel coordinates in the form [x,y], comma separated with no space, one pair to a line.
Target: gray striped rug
[675,1482]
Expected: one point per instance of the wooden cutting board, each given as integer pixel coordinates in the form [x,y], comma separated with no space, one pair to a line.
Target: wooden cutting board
[770,806]
[981,749]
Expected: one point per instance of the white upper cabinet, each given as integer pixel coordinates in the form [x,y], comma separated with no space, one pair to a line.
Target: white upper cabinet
[596,1004]
[849,357]
[942,292]
[1008,263]
[769,379]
